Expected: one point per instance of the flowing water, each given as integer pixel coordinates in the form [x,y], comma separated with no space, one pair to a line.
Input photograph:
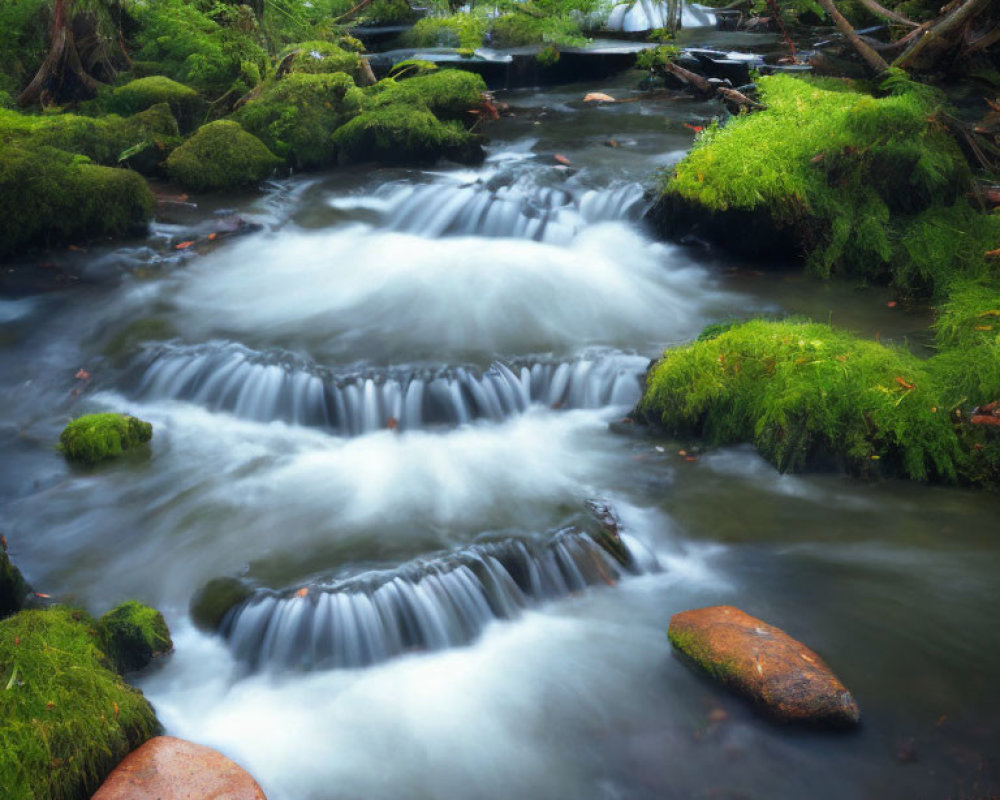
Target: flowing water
[388,414]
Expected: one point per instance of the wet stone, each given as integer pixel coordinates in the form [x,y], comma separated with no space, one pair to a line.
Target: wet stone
[780,674]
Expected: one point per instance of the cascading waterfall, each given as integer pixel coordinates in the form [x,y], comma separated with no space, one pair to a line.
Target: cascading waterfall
[429,604]
[264,387]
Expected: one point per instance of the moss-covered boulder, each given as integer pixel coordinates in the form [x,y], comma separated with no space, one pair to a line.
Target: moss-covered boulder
[781,675]
[97,437]
[133,634]
[296,116]
[143,93]
[458,30]
[221,155]
[807,395]
[867,186]
[106,140]
[447,93]
[319,58]
[13,587]
[398,134]
[67,718]
[48,196]
[211,603]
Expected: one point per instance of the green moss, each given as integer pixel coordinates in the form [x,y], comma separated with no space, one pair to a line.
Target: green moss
[214,599]
[869,187]
[132,634]
[49,196]
[398,134]
[13,587]
[96,437]
[296,116]
[692,646]
[143,93]
[67,719]
[968,337]
[808,394]
[458,30]
[221,155]
[447,93]
[125,342]
[317,58]
[388,12]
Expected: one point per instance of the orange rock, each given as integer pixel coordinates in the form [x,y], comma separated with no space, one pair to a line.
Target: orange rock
[165,768]
[764,663]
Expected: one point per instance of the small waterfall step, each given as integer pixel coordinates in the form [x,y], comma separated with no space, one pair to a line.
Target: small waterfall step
[428,604]
[229,377]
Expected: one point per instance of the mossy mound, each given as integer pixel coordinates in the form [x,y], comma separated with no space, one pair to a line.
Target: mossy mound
[143,93]
[132,634]
[221,155]
[211,603]
[49,196]
[323,58]
[447,93]
[968,337]
[13,587]
[97,437]
[397,134]
[106,140]
[807,394]
[863,186]
[296,116]
[458,30]
[67,718]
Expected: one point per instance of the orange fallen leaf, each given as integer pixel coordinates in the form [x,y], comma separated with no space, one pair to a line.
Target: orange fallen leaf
[117,710]
[695,128]
[212,237]
[74,249]
[392,423]
[934,409]
[990,407]
[817,158]
[993,253]
[82,375]
[682,452]
[985,419]
[43,595]
[892,304]
[904,383]
[598,97]
[302,592]
[50,705]
[562,159]
[3,542]
[17,641]
[183,245]
[690,458]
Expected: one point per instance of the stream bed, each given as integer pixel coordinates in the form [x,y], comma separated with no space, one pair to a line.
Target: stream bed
[398,396]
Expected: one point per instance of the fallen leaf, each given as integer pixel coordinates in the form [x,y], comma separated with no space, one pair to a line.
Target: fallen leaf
[892,304]
[43,595]
[876,458]
[682,452]
[982,327]
[50,705]
[212,237]
[559,157]
[3,542]
[392,423]
[74,249]
[817,158]
[117,710]
[695,128]
[904,383]
[302,592]
[611,143]
[690,458]
[717,715]
[993,253]
[183,245]
[82,375]
[598,97]
[985,419]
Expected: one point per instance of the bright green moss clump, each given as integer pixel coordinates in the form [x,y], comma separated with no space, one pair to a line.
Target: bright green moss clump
[67,718]
[324,58]
[968,337]
[96,437]
[447,93]
[132,634]
[49,196]
[865,187]
[296,116]
[397,134]
[221,155]
[143,93]
[806,393]
[458,30]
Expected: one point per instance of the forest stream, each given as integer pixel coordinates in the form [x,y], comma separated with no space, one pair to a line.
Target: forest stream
[394,402]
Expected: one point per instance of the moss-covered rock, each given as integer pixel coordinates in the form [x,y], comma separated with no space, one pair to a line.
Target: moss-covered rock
[221,155]
[97,437]
[106,140]
[214,599]
[447,93]
[67,718]
[296,116]
[48,196]
[807,394]
[864,186]
[457,30]
[398,134]
[143,93]
[132,635]
[320,58]
[13,587]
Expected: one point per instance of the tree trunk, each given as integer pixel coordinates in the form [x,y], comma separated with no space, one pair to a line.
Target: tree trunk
[926,50]
[60,36]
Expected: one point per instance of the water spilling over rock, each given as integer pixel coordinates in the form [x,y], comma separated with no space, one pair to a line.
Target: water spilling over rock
[428,604]
[265,387]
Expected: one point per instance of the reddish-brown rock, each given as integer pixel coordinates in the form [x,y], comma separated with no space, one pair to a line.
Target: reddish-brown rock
[764,663]
[165,768]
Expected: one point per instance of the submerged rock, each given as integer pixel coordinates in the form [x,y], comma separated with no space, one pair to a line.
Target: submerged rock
[96,437]
[133,634]
[787,679]
[67,718]
[221,155]
[166,768]
[13,587]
